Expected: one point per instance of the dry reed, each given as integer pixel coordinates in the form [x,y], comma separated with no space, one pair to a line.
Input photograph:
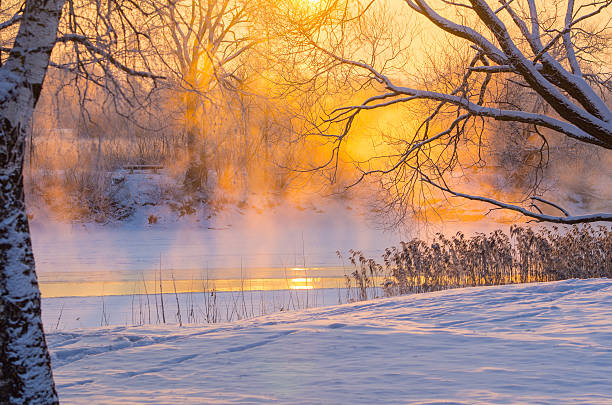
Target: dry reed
[523,256]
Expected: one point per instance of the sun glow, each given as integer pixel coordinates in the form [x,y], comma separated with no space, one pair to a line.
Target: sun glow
[308,7]
[311,5]
[301,283]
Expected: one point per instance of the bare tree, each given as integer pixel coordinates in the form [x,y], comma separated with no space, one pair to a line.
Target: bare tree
[202,44]
[554,53]
[99,42]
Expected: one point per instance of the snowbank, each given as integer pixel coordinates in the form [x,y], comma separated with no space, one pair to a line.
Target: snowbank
[545,343]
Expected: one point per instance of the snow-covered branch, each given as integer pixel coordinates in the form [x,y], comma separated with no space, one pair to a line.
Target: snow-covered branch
[538,216]
[560,97]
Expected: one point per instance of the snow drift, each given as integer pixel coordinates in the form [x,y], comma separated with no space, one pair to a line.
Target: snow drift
[547,343]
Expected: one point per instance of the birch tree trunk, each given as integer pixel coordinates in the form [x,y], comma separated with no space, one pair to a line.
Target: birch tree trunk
[25,366]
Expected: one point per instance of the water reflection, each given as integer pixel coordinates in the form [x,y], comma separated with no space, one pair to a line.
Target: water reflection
[88,284]
[303,283]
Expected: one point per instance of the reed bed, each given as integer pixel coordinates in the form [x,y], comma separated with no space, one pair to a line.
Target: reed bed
[205,304]
[524,255]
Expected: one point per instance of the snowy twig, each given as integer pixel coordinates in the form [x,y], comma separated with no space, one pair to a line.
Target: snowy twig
[568,220]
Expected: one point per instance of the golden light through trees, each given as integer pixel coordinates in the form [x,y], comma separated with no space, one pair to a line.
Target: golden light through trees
[262,94]
[411,106]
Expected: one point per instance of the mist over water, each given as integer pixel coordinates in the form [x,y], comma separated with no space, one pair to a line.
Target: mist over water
[277,243]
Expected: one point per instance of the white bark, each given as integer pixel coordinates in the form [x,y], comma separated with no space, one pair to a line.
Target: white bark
[25,375]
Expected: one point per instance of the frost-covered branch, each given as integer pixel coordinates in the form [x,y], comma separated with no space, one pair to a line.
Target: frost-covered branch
[104,55]
[563,210]
[557,92]
[538,216]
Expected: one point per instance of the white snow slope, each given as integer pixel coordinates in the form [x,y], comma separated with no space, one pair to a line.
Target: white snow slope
[547,343]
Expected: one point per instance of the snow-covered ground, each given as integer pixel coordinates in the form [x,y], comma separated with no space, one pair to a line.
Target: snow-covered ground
[545,343]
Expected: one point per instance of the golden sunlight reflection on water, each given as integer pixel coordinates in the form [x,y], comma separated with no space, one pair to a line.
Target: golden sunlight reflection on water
[303,283]
[85,288]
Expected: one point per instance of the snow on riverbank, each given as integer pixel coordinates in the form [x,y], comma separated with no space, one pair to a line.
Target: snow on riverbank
[545,343]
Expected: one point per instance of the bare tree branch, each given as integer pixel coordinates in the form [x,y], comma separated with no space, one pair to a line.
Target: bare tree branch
[553,95]
[567,220]
[106,56]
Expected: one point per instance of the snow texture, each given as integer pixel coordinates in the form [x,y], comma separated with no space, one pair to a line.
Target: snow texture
[548,343]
